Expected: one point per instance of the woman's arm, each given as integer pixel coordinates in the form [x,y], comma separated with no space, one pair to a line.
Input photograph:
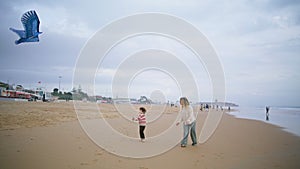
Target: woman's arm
[181,117]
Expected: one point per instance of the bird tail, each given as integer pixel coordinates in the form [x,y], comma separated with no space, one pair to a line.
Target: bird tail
[21,33]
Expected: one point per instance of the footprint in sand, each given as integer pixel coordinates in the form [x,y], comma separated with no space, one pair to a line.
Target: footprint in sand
[143,168]
[219,155]
[84,163]
[98,153]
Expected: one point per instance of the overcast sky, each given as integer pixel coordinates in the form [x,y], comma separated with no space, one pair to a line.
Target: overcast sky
[258,44]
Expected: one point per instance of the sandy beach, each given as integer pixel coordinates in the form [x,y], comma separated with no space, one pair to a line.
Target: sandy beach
[38,135]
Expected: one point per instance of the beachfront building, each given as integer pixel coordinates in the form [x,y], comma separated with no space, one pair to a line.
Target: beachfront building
[101,99]
[42,94]
[15,94]
[125,101]
[2,89]
[31,95]
[121,100]
[7,92]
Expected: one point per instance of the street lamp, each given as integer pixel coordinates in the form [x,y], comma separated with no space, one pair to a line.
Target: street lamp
[59,77]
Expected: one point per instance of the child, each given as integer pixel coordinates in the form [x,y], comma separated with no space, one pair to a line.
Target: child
[142,122]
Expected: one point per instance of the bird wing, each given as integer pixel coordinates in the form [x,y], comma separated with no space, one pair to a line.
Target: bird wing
[30,23]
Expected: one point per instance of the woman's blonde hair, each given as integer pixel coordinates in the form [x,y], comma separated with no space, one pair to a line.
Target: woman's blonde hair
[185,101]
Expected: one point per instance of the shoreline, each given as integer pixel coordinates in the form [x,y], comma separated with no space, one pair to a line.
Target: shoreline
[287,119]
[275,125]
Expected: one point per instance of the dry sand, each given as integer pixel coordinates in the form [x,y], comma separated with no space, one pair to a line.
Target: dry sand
[48,135]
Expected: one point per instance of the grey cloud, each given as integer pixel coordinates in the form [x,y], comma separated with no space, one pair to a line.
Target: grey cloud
[237,28]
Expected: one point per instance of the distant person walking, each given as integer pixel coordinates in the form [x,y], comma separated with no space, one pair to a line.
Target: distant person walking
[267,112]
[188,119]
[142,122]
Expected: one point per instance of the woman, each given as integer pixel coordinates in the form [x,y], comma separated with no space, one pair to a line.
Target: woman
[189,122]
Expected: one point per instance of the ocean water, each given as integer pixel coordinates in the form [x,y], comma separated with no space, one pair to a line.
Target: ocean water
[288,118]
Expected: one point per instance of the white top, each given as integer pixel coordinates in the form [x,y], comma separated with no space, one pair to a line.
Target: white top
[187,115]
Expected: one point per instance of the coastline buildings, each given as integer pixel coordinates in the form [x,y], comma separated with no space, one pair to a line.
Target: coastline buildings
[8,92]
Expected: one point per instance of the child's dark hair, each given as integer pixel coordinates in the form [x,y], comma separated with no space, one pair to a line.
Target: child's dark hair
[143,109]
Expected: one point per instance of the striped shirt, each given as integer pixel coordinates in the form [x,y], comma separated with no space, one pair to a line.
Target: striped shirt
[142,119]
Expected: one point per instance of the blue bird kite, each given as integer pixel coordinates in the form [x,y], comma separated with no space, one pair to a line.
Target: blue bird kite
[31,25]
